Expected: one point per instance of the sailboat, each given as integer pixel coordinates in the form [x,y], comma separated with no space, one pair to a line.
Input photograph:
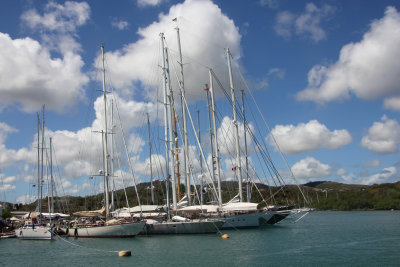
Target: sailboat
[111,227]
[35,227]
[237,212]
[175,224]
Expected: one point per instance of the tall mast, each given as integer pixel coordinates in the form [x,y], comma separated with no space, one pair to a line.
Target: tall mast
[112,156]
[151,165]
[235,123]
[185,137]
[166,130]
[216,150]
[105,148]
[41,169]
[171,138]
[211,133]
[51,177]
[175,144]
[38,162]
[201,160]
[248,193]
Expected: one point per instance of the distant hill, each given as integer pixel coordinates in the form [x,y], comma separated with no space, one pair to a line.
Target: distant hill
[323,185]
[322,195]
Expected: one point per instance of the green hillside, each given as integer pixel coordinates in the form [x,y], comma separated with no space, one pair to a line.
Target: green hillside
[321,196]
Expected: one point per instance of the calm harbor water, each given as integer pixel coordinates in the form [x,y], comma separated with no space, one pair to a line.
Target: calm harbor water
[365,238]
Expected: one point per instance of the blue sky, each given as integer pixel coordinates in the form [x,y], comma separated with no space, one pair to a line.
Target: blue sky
[326,75]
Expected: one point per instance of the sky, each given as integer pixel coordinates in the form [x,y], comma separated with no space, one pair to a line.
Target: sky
[324,74]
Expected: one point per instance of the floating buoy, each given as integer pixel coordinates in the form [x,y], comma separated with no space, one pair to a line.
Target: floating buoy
[224,236]
[124,253]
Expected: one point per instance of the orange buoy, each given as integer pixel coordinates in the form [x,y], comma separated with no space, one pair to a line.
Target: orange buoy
[224,236]
[124,253]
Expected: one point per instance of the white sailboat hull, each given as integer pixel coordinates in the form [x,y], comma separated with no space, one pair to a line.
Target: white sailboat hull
[115,230]
[248,220]
[37,233]
[191,227]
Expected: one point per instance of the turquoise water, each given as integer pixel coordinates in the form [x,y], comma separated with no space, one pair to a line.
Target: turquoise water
[366,238]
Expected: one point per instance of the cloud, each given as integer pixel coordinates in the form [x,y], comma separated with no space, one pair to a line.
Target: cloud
[306,24]
[284,23]
[158,165]
[9,157]
[26,199]
[372,164]
[58,24]
[368,69]
[80,153]
[310,168]
[131,112]
[383,137]
[387,175]
[307,137]
[120,24]
[29,178]
[10,179]
[7,187]
[273,4]
[145,3]
[137,63]
[350,178]
[341,172]
[30,77]
[278,73]
[61,18]
[392,103]
[226,137]
[5,129]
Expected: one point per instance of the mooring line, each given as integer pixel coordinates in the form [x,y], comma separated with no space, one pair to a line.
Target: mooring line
[77,245]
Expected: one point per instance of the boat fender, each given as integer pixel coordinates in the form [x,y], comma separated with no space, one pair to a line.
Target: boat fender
[124,253]
[76,232]
[225,236]
[67,231]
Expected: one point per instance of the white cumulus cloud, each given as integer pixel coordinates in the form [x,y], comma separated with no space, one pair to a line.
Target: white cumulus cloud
[57,17]
[137,63]
[369,69]
[387,175]
[307,137]
[392,103]
[310,168]
[31,77]
[383,137]
[226,137]
[7,187]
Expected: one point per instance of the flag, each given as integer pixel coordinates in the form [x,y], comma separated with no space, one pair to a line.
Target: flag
[175,20]
[206,89]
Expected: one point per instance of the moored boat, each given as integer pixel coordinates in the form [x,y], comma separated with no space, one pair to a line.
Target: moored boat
[34,231]
[118,229]
[180,225]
